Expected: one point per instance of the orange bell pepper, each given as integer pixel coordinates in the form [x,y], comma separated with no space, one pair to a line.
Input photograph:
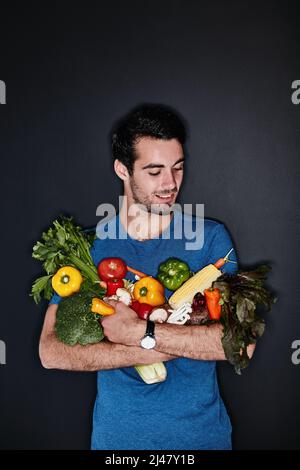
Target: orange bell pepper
[149,291]
[101,307]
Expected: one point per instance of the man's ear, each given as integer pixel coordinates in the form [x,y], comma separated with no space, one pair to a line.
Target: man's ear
[121,170]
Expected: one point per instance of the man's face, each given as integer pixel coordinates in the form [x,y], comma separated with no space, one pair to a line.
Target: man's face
[157,173]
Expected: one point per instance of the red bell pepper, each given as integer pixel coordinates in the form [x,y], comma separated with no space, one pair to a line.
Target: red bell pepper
[143,310]
[112,286]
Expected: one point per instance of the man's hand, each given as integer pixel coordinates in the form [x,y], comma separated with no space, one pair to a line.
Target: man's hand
[124,326]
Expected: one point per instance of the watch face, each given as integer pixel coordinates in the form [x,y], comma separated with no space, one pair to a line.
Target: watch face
[148,342]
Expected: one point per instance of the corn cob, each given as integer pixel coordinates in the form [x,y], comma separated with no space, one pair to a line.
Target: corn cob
[152,373]
[203,279]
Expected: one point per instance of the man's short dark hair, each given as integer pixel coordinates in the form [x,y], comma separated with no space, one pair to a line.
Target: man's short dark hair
[146,120]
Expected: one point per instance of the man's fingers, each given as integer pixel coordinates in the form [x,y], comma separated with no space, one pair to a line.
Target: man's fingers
[112,302]
[116,303]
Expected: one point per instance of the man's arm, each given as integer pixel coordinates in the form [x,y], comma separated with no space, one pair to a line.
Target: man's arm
[92,357]
[195,342]
[192,341]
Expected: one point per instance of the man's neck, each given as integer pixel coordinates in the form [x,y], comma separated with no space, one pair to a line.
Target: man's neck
[144,225]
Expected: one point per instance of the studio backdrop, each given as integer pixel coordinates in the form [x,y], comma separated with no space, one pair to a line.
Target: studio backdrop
[231,69]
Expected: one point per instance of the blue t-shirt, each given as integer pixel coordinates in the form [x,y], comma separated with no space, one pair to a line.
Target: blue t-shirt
[185,412]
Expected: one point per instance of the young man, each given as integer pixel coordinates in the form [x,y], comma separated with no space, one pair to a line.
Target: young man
[185,411]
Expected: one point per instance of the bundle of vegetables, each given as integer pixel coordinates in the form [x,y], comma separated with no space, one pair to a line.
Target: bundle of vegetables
[70,272]
[209,296]
[204,297]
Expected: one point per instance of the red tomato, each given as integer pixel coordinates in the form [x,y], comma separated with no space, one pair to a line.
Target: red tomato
[112,268]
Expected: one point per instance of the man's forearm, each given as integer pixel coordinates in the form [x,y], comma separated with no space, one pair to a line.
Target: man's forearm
[94,357]
[191,341]
[194,342]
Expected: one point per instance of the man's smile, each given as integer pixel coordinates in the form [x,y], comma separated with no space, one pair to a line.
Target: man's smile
[166,198]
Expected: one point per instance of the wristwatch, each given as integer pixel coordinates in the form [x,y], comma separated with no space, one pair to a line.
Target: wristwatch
[148,341]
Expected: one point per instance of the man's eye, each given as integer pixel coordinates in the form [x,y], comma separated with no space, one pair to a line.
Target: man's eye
[158,173]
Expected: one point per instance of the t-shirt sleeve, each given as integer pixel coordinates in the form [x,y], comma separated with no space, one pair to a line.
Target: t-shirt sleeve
[220,245]
[55,299]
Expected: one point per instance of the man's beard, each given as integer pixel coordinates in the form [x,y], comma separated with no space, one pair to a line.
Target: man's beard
[145,201]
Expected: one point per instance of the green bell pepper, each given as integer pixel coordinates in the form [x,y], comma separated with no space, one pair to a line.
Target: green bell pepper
[173,273]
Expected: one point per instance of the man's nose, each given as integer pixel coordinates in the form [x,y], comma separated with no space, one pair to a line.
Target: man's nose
[169,183]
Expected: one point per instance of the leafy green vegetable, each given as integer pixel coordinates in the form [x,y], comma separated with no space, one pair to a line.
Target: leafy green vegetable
[63,244]
[42,284]
[75,323]
[241,294]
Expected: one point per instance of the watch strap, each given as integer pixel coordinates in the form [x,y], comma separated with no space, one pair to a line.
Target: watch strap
[150,328]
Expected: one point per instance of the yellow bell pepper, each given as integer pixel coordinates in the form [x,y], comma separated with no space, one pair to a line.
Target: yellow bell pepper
[149,291]
[67,281]
[101,307]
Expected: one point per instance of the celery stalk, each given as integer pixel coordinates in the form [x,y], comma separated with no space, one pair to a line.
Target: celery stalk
[152,373]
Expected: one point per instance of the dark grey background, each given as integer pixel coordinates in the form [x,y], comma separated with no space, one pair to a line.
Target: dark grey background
[70,72]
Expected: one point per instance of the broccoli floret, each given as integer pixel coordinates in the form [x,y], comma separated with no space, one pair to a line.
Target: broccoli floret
[75,323]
